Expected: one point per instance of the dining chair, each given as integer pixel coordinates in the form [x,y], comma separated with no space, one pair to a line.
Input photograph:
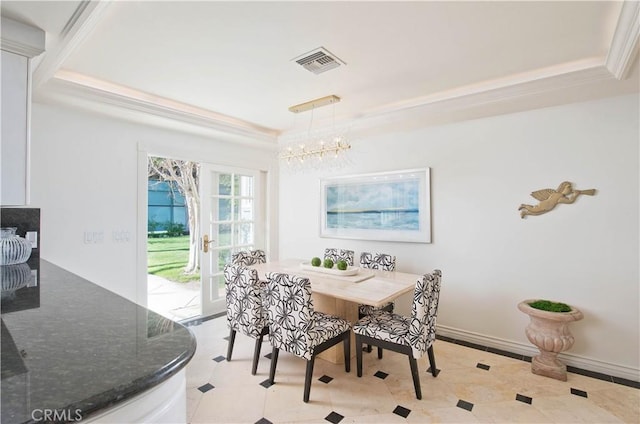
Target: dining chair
[412,335]
[245,313]
[340,254]
[249,257]
[382,262]
[295,327]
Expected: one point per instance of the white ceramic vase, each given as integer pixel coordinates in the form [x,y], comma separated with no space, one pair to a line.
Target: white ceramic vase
[549,332]
[13,249]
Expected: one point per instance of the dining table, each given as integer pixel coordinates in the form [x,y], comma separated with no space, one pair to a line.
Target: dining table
[340,293]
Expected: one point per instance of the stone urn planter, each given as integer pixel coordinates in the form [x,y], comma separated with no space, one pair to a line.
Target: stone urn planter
[549,331]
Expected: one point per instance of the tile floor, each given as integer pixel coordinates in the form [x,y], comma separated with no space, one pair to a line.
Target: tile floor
[473,386]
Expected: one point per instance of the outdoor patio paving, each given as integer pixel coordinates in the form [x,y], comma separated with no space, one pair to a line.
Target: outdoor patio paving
[176,301]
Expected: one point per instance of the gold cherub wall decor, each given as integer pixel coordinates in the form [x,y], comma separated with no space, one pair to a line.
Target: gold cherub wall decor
[549,198]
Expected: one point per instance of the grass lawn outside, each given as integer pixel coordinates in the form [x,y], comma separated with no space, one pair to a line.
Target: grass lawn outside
[167,257]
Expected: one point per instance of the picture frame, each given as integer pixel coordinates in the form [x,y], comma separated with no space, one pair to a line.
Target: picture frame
[385,206]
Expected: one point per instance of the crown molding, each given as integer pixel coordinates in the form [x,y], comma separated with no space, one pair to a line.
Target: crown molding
[21,39]
[457,104]
[519,88]
[505,89]
[624,45]
[102,92]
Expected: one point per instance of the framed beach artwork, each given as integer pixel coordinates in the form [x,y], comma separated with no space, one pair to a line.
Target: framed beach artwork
[389,206]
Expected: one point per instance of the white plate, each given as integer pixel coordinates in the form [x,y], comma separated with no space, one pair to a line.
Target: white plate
[351,270]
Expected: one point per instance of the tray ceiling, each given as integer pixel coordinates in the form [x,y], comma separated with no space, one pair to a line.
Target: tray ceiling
[231,66]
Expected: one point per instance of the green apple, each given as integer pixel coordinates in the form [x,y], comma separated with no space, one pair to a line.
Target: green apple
[342,265]
[328,263]
[316,261]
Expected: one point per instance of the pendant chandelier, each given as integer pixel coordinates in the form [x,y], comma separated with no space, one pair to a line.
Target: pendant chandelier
[320,148]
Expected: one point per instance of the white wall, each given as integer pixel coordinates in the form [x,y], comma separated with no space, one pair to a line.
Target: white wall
[84,177]
[585,254]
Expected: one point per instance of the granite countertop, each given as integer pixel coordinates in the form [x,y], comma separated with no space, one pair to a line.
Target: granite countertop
[71,345]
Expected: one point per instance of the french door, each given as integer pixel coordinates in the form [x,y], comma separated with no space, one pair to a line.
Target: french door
[231,220]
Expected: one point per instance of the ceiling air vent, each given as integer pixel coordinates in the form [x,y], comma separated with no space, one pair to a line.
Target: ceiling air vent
[319,60]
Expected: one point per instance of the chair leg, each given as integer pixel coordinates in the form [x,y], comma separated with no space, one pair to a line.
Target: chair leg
[347,351]
[379,353]
[432,361]
[368,348]
[307,379]
[274,362]
[416,376]
[358,355]
[256,355]
[232,339]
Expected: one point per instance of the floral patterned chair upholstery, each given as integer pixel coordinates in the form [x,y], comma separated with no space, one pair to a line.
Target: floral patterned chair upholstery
[296,328]
[340,254]
[248,258]
[412,335]
[244,308]
[382,262]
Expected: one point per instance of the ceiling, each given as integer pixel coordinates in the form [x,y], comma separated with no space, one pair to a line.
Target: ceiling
[227,67]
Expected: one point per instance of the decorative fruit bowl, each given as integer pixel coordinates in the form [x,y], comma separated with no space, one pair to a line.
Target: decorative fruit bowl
[351,270]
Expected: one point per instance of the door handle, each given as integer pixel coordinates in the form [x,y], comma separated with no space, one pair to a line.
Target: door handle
[206,242]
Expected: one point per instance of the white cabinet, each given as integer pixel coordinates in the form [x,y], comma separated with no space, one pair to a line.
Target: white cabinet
[20,43]
[14,149]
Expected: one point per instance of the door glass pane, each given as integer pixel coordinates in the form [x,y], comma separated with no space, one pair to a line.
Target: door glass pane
[244,233]
[243,210]
[224,235]
[233,220]
[220,285]
[224,257]
[224,209]
[224,184]
[243,185]
[246,209]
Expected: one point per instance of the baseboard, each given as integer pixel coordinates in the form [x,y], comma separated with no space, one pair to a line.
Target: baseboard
[570,359]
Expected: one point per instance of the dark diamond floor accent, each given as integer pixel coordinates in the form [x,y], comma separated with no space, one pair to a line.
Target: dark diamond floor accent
[578,392]
[483,366]
[325,379]
[263,421]
[219,358]
[334,417]
[206,387]
[523,398]
[381,375]
[268,355]
[266,383]
[465,405]
[402,411]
